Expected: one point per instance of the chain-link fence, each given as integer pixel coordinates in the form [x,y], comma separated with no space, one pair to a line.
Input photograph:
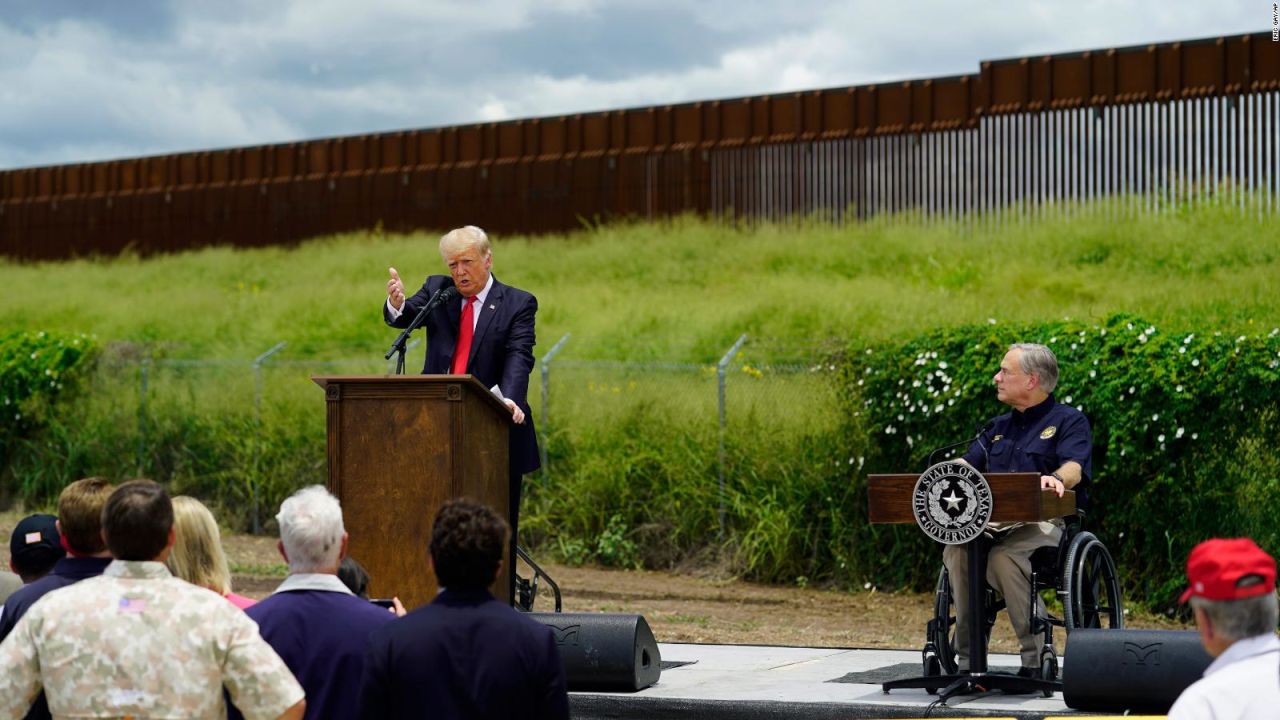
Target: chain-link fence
[245,432]
[756,388]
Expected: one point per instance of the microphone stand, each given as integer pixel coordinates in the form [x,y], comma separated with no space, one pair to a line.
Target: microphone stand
[398,346]
[977,437]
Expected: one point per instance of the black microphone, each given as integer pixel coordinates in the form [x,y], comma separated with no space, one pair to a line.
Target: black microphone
[982,429]
[443,295]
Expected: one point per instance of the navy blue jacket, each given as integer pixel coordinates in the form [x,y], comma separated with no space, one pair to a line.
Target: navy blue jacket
[1039,439]
[322,637]
[501,349]
[66,571]
[464,655]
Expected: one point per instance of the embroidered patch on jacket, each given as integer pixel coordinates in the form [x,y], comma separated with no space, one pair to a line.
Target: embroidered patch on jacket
[1048,432]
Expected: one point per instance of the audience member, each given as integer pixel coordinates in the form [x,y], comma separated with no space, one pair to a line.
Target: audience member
[197,555]
[1233,594]
[80,525]
[34,548]
[313,620]
[137,642]
[466,654]
[354,576]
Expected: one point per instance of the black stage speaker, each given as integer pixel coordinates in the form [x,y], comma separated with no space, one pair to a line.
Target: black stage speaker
[1140,670]
[605,651]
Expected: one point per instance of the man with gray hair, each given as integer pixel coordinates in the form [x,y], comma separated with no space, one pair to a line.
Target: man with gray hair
[1038,435]
[487,332]
[312,620]
[1233,594]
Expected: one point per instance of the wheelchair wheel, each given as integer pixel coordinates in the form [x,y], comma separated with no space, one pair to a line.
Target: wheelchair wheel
[942,629]
[1089,574]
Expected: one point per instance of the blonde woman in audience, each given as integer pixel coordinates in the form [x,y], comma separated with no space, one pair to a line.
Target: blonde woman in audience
[197,555]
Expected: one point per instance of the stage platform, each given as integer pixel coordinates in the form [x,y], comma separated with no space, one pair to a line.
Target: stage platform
[749,681]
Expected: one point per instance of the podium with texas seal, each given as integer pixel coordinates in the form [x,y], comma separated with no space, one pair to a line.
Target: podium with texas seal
[399,447]
[952,503]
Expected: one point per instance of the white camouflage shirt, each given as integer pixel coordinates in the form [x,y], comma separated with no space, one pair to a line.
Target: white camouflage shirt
[137,642]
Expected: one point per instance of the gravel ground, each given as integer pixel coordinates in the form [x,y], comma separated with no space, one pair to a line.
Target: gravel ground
[688,608]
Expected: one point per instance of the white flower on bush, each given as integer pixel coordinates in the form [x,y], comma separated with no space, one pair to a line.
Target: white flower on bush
[889,430]
[1132,389]
[1188,338]
[1195,362]
[1155,417]
[1180,432]
[1182,350]
[1142,338]
[1068,399]
[1160,439]
[1178,389]
[1093,373]
[1195,436]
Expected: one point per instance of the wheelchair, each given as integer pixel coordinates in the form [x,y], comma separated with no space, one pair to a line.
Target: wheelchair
[1080,573]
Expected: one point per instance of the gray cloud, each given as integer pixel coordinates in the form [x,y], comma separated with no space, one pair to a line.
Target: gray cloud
[88,81]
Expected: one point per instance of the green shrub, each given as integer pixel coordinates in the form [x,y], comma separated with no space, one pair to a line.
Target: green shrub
[1184,423]
[37,370]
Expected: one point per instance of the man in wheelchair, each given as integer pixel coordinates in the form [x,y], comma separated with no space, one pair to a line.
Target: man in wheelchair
[1038,435]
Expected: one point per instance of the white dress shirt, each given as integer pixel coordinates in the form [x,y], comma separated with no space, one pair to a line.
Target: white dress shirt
[1243,683]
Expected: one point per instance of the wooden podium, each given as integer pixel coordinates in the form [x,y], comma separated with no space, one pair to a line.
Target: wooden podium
[399,447]
[1015,497]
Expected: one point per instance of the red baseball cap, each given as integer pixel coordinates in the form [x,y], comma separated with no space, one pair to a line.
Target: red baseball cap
[1222,569]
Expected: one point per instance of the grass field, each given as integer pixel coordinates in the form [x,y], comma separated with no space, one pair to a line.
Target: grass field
[634,442]
[679,291]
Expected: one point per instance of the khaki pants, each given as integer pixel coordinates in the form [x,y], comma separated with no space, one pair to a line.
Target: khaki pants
[1009,572]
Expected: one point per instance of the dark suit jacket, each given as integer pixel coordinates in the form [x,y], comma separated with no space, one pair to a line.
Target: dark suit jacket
[501,349]
[465,655]
[322,636]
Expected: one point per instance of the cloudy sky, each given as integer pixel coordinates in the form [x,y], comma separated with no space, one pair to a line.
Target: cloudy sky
[85,80]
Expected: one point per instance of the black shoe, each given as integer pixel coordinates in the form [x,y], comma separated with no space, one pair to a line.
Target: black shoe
[1025,672]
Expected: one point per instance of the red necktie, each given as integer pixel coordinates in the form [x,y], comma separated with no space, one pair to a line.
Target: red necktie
[466,328]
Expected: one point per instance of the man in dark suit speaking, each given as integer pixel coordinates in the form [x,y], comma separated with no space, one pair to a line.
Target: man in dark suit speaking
[486,332]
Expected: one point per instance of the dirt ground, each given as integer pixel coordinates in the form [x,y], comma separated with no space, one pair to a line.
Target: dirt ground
[685,608]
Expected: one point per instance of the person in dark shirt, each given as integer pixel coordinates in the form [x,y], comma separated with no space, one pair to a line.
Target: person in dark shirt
[1038,435]
[316,624]
[80,526]
[35,547]
[466,654]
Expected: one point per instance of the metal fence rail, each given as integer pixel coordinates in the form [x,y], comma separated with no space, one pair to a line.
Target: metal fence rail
[753,388]
[1175,120]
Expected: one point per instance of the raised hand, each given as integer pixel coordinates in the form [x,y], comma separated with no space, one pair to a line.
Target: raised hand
[395,289]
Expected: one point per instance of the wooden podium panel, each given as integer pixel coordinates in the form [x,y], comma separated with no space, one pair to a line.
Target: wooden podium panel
[1015,497]
[399,447]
